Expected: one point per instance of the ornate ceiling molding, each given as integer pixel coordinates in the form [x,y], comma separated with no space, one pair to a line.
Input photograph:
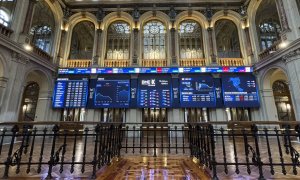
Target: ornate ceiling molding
[289,56]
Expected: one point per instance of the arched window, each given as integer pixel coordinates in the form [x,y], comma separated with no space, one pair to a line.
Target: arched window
[4,17]
[283,101]
[227,38]
[6,11]
[118,41]
[154,36]
[82,41]
[269,33]
[41,37]
[190,40]
[267,24]
[29,103]
[43,25]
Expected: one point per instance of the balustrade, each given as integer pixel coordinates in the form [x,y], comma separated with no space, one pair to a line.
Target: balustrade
[5,30]
[269,50]
[231,61]
[79,63]
[116,63]
[192,62]
[154,62]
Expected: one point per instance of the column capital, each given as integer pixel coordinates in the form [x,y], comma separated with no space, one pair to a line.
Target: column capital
[282,16]
[210,29]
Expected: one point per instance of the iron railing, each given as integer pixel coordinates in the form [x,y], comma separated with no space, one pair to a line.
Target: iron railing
[47,149]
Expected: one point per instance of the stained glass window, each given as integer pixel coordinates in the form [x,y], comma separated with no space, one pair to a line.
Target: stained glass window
[154,40]
[118,41]
[190,40]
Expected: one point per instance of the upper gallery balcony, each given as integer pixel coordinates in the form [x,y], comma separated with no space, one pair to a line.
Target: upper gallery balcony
[5,30]
[72,63]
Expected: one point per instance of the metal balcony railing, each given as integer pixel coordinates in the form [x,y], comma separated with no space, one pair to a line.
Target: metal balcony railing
[5,30]
[47,149]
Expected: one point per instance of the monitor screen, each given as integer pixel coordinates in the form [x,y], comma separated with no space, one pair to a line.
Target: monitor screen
[240,91]
[70,93]
[197,91]
[109,93]
[154,92]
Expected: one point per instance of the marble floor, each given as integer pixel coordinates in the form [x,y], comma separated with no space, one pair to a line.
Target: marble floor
[158,168]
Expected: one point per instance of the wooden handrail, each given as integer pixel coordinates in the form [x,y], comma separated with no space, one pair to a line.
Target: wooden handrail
[71,63]
[192,62]
[116,63]
[231,61]
[154,62]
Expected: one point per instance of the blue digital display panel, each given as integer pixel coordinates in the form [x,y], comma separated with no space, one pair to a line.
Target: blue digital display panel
[70,93]
[197,91]
[240,91]
[154,92]
[109,93]
[155,70]
[58,100]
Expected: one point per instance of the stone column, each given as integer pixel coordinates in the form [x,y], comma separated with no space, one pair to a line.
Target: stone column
[43,106]
[3,82]
[211,45]
[28,22]
[62,49]
[248,41]
[14,89]
[97,46]
[292,61]
[173,47]
[268,105]
[282,17]
[135,52]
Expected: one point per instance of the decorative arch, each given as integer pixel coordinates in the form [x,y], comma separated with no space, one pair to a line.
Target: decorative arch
[114,16]
[230,15]
[44,82]
[160,16]
[251,23]
[266,78]
[237,20]
[82,41]
[107,21]
[43,78]
[227,39]
[81,16]
[199,18]
[195,15]
[73,21]
[58,16]
[164,19]
[275,80]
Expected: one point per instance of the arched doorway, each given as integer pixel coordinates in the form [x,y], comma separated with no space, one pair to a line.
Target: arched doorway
[29,102]
[282,98]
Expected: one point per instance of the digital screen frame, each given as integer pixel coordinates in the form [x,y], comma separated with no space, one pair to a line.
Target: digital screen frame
[154,92]
[70,93]
[197,91]
[240,91]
